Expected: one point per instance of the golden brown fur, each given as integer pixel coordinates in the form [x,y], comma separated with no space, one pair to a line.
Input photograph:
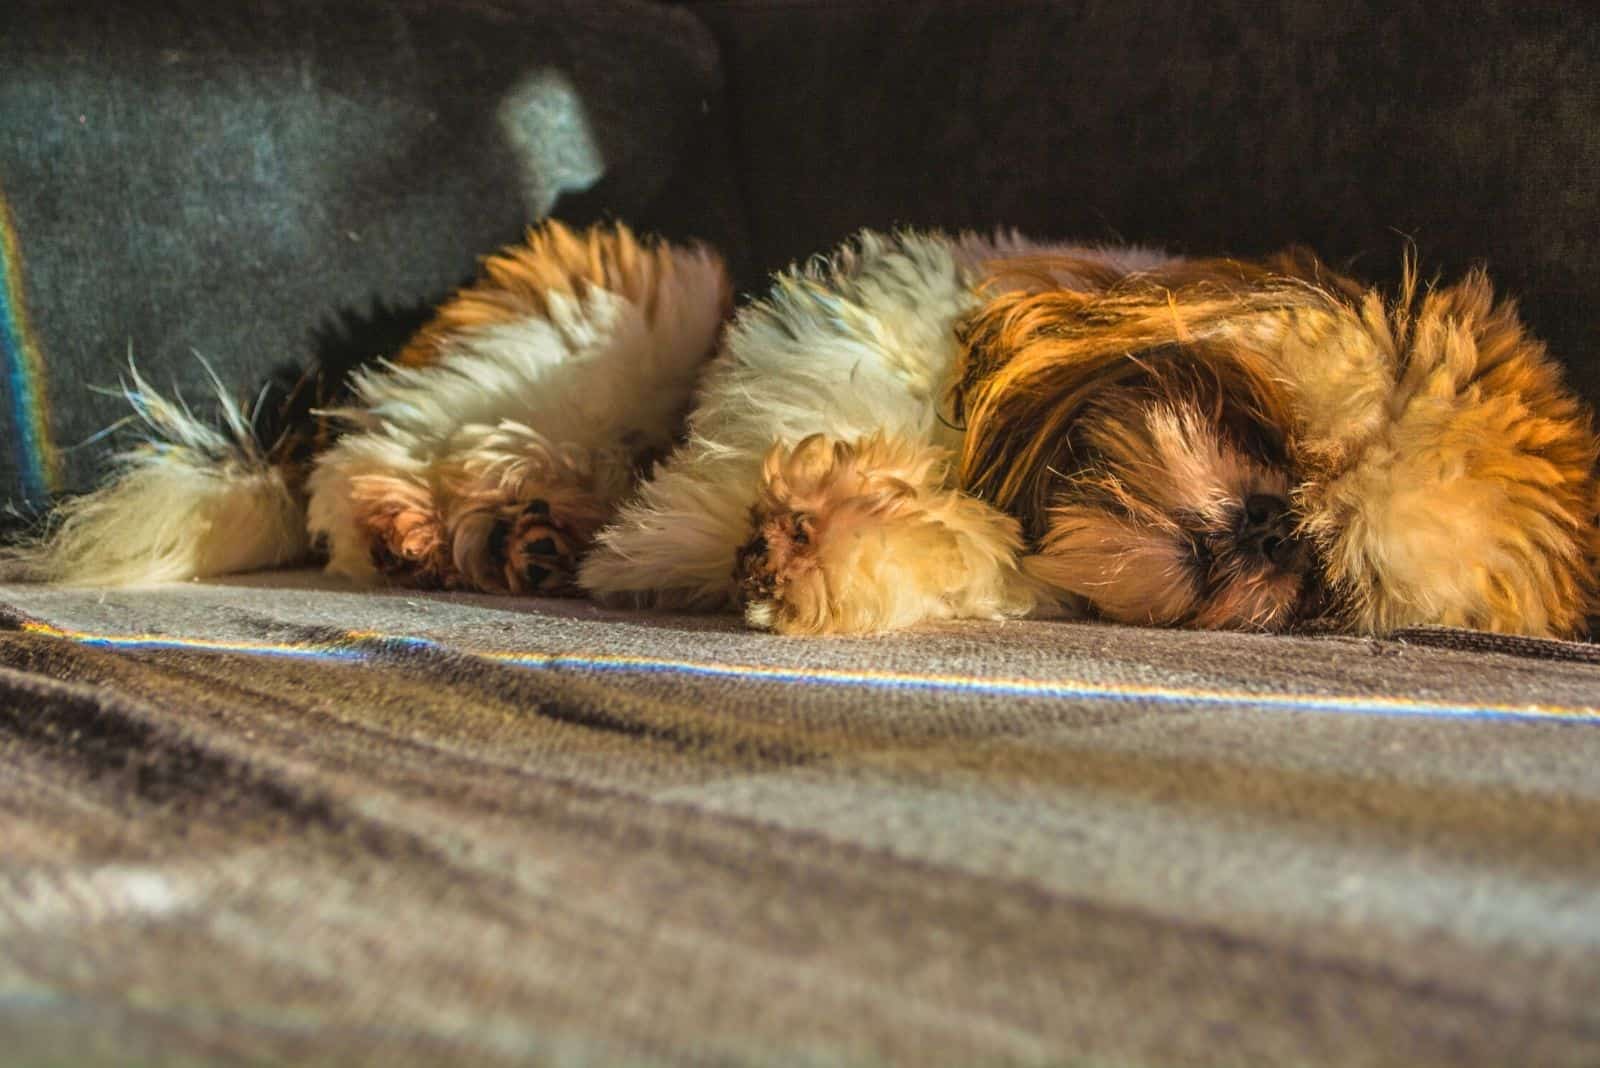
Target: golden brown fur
[518,281]
[1407,462]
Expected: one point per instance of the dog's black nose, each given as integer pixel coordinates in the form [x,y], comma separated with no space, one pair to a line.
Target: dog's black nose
[1267,527]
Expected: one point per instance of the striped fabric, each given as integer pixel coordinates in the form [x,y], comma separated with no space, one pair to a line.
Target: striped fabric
[279,821]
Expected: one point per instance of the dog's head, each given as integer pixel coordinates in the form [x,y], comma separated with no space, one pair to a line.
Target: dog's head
[1234,445]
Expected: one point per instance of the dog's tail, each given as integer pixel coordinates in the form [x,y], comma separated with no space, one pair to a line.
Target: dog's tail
[193,499]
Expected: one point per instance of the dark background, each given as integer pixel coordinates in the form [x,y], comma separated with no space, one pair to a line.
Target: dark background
[188,175]
[1472,129]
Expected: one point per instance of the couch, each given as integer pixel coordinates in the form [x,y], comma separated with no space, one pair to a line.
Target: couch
[274,819]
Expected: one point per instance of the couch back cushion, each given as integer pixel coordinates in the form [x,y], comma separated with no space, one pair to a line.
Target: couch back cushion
[258,182]
[1207,126]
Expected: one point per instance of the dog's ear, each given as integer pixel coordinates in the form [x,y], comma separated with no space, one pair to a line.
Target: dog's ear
[1031,361]
[1036,358]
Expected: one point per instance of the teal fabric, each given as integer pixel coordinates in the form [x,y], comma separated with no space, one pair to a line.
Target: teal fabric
[267,184]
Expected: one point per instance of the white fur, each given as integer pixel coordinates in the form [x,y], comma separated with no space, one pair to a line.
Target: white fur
[846,347]
[192,500]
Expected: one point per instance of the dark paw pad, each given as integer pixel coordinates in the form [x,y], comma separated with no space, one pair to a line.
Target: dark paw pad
[750,570]
[779,542]
[541,558]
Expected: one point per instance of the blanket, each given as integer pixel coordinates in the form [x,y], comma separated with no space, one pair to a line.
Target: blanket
[280,820]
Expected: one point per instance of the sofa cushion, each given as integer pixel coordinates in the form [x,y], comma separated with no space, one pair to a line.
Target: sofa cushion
[266,182]
[1233,126]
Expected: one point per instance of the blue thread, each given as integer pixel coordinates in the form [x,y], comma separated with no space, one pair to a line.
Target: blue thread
[986,687]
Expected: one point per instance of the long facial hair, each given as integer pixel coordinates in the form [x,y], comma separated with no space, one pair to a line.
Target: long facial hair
[1229,444]
[1147,459]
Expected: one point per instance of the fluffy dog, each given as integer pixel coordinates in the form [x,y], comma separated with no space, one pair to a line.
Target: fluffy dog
[882,440]
[812,483]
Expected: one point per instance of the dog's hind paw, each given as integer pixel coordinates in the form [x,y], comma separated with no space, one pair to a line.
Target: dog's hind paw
[528,545]
[538,551]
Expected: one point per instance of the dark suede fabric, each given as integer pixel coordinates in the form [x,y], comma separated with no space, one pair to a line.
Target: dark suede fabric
[269,182]
[258,182]
[1202,125]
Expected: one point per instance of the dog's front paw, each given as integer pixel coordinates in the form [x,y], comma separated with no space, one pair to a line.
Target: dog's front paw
[865,536]
[774,566]
[826,512]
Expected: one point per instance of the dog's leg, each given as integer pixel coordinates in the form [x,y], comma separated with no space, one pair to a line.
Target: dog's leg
[510,428]
[864,536]
[673,545]
[860,344]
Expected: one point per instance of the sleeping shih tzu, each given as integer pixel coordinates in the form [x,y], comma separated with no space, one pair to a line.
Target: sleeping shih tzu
[915,428]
